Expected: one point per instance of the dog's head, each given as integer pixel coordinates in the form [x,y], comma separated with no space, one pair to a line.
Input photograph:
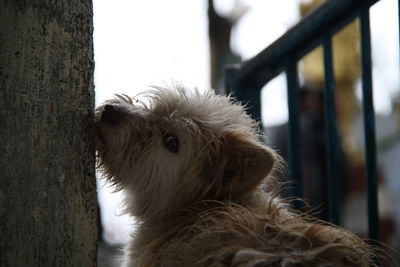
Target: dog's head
[179,147]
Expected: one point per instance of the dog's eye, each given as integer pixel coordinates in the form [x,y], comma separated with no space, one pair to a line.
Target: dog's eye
[171,142]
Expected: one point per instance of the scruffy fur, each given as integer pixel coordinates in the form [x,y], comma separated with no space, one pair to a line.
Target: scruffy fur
[203,201]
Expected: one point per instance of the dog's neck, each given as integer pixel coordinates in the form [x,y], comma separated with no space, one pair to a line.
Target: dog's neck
[253,200]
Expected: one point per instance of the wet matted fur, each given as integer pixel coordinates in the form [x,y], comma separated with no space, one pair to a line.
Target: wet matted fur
[194,172]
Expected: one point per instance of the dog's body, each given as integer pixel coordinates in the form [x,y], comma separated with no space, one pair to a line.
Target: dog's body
[193,171]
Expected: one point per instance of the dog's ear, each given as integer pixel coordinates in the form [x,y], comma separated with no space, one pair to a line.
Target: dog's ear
[248,163]
[238,167]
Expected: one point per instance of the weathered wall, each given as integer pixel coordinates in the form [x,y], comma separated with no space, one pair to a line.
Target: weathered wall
[47,184]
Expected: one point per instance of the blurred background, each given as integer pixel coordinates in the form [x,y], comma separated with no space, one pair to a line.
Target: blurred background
[142,43]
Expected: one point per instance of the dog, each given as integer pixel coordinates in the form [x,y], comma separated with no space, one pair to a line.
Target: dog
[195,175]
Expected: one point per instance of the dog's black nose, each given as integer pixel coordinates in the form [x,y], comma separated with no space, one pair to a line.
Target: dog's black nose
[110,114]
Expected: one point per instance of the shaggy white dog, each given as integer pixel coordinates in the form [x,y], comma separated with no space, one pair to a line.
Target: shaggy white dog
[193,170]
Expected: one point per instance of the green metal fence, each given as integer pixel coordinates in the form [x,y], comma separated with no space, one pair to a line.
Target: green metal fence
[246,80]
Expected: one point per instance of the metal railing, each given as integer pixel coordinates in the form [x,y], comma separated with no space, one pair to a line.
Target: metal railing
[247,79]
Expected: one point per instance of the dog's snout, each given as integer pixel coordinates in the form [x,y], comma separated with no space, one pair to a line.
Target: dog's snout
[110,108]
[110,114]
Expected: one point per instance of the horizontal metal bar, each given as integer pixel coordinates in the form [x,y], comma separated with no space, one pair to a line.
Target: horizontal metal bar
[298,41]
[332,143]
[369,126]
[295,173]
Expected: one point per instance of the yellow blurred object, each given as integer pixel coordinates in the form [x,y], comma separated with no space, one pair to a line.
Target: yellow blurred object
[347,67]
[346,52]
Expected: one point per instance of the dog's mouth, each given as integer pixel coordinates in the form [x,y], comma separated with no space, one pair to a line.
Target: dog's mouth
[100,140]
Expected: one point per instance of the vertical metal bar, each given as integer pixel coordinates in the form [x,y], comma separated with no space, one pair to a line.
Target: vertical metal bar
[294,133]
[369,126]
[245,91]
[333,173]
